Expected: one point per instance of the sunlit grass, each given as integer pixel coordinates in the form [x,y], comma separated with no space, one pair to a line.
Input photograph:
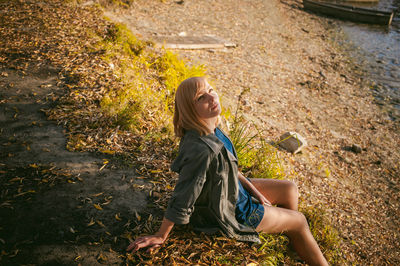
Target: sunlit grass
[256,157]
[324,233]
[149,78]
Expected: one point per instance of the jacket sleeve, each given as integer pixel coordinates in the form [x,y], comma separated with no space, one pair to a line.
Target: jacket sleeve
[192,176]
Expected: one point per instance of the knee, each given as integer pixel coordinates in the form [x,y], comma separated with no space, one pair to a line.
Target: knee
[301,223]
[293,190]
[292,195]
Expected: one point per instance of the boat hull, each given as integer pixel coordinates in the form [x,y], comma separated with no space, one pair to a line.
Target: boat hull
[351,13]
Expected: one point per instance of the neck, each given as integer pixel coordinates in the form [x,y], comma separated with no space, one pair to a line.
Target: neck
[211,124]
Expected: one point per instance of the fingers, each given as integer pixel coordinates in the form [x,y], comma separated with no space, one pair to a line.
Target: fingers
[147,241]
[151,249]
[130,247]
[267,203]
[137,244]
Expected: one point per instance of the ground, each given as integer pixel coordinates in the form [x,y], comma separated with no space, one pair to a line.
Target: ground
[292,76]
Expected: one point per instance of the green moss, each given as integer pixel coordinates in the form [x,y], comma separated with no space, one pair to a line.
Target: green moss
[145,102]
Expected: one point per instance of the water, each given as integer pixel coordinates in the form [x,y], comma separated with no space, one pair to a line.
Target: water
[379,47]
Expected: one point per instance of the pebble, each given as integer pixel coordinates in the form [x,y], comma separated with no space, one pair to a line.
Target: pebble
[347,160]
[356,148]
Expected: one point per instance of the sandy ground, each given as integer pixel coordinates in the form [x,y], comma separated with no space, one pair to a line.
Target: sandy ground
[296,78]
[299,79]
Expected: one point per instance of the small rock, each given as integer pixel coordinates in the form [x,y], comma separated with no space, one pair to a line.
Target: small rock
[88,3]
[292,142]
[347,160]
[356,148]
[306,31]
[337,135]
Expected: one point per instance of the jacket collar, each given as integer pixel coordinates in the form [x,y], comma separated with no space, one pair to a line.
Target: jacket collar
[211,140]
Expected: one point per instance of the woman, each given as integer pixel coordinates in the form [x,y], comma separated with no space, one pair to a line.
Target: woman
[213,195]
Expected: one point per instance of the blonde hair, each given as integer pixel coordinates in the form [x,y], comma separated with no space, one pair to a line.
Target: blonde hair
[185,115]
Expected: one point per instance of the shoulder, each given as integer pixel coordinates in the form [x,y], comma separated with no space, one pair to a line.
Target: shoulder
[196,147]
[209,142]
[192,142]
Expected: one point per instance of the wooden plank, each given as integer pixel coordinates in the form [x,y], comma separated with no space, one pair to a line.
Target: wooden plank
[192,42]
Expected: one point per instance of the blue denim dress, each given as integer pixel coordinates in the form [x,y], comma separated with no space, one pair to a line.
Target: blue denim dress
[247,211]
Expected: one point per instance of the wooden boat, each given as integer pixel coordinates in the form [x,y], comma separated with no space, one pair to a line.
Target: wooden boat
[347,12]
[360,1]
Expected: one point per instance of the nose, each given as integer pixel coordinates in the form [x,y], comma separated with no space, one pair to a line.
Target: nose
[211,97]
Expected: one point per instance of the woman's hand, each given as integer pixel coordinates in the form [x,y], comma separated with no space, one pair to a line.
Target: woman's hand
[253,190]
[152,242]
[262,199]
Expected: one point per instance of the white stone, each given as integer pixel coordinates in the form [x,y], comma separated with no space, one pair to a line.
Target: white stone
[292,142]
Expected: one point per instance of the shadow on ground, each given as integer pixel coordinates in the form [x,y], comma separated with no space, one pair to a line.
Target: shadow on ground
[56,206]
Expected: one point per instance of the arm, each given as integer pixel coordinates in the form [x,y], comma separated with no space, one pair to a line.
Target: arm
[192,175]
[153,241]
[253,190]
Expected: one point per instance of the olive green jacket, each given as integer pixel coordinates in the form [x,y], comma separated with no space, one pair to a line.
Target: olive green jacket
[207,189]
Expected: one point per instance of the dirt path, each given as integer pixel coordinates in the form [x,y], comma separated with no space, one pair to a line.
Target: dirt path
[56,201]
[298,79]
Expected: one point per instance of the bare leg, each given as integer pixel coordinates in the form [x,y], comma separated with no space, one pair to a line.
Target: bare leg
[294,225]
[287,219]
[282,193]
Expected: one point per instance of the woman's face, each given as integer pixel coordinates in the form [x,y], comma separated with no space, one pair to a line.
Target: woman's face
[206,103]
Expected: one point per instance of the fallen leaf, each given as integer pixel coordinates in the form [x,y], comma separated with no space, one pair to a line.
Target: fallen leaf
[23,193]
[156,171]
[101,257]
[100,223]
[91,222]
[15,179]
[138,216]
[107,151]
[97,206]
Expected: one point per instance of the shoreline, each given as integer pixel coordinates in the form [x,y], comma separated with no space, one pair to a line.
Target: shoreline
[379,68]
[298,80]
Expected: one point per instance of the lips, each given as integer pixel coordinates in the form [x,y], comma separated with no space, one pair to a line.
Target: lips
[214,106]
